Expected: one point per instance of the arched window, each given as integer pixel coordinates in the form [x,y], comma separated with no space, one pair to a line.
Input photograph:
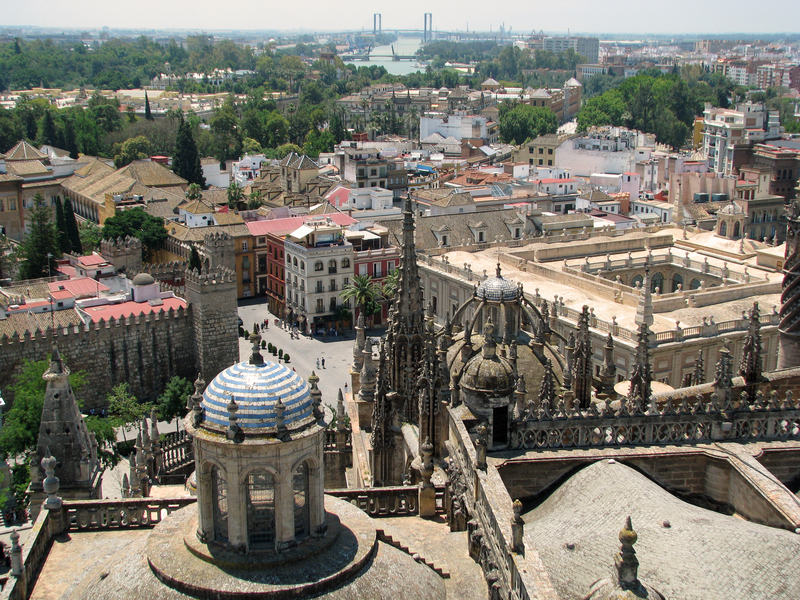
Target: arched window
[294,261]
[301,508]
[302,265]
[331,266]
[723,228]
[345,263]
[677,279]
[260,509]
[657,282]
[736,229]
[763,232]
[636,281]
[318,265]
[219,493]
[695,284]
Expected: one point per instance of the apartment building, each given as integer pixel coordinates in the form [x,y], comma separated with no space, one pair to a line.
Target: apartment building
[729,133]
[319,264]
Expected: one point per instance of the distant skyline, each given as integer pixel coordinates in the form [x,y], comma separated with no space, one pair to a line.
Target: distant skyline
[578,16]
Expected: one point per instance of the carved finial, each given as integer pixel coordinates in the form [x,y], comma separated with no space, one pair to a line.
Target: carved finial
[626,561]
[255,357]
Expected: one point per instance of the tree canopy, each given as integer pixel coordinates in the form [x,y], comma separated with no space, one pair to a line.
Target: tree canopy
[186,160]
[521,122]
[137,223]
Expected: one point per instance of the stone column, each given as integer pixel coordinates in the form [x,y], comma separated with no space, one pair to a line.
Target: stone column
[427,493]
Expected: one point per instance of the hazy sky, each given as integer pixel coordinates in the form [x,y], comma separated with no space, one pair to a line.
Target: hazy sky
[586,16]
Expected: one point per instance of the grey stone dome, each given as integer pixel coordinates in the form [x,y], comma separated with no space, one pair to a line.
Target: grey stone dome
[143,279]
[491,375]
[496,288]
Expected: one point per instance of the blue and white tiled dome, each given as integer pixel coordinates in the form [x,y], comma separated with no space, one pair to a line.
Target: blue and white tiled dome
[256,389]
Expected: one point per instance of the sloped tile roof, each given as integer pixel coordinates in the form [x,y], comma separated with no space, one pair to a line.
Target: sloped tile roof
[24,151]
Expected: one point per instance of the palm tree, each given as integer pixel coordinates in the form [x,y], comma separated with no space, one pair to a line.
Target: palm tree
[235,195]
[412,117]
[390,284]
[193,192]
[254,200]
[363,291]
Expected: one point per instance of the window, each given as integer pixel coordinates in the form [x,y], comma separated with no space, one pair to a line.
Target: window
[319,289]
[376,270]
[480,236]
[318,265]
[345,263]
[302,265]
[333,285]
[445,241]
[12,204]
[320,305]
[550,151]
[2,206]
[331,266]
[294,262]
[219,498]
[332,304]
[246,262]
[262,241]
[516,232]
[362,269]
[260,509]
[244,246]
[346,281]
[541,150]
[301,509]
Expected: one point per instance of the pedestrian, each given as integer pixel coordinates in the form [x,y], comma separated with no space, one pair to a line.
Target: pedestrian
[318,363]
[323,363]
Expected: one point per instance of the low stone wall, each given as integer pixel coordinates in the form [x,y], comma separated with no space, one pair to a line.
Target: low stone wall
[600,246]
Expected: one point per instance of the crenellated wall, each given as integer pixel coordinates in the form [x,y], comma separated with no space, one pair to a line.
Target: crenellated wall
[145,351]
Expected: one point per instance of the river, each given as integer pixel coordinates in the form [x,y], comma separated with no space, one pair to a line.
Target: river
[403,46]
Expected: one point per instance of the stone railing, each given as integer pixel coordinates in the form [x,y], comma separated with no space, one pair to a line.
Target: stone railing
[706,418]
[120,513]
[177,451]
[331,442]
[388,501]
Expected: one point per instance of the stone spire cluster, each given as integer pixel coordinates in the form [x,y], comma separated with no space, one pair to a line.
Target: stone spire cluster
[789,327]
[63,435]
[752,363]
[582,362]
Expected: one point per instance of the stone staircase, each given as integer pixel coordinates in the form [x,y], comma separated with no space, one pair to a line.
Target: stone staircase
[388,538]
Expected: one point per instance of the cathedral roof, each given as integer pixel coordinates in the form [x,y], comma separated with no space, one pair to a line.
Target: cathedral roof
[256,389]
[684,550]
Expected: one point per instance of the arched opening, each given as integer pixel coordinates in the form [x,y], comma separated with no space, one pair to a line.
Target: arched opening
[636,281]
[219,493]
[723,228]
[677,280]
[301,508]
[260,509]
[736,229]
[657,282]
[695,284]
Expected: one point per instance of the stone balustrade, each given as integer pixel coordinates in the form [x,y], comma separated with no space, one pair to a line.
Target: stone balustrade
[120,513]
[704,418]
[395,501]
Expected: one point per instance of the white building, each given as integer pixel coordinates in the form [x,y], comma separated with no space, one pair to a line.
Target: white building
[248,168]
[604,150]
[663,210]
[724,128]
[458,127]
[214,174]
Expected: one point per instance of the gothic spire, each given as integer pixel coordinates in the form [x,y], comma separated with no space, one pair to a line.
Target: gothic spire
[644,309]
[751,365]
[789,327]
[582,362]
[641,374]
[699,369]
